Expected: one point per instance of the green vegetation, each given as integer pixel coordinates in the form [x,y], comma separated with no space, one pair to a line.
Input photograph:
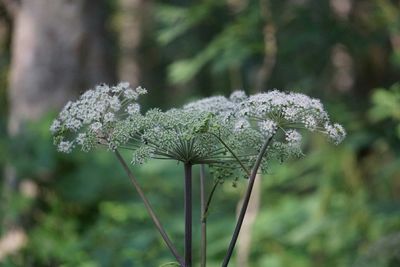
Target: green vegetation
[337,207]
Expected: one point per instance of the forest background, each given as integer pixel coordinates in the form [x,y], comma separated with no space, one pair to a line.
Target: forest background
[337,206]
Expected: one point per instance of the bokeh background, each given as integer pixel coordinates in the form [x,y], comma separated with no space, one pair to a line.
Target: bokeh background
[337,206]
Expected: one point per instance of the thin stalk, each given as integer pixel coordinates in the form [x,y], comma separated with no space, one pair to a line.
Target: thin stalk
[204,217]
[233,153]
[188,214]
[150,210]
[203,242]
[245,204]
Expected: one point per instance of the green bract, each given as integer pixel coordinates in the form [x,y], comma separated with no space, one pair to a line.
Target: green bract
[179,135]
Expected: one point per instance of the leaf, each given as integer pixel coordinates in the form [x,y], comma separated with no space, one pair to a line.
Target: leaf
[177,20]
[386,103]
[170,264]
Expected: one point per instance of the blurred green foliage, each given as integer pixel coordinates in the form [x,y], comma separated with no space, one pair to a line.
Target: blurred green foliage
[386,105]
[339,206]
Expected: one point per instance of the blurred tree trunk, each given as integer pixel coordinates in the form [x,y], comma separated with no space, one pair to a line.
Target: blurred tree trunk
[132,23]
[244,240]
[59,47]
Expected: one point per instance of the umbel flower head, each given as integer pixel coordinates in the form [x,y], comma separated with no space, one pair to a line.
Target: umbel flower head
[282,117]
[219,106]
[96,116]
[226,133]
[247,122]
[176,134]
[198,133]
[191,134]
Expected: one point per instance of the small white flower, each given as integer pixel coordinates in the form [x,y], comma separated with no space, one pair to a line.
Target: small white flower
[218,105]
[55,126]
[88,94]
[336,132]
[96,126]
[116,89]
[73,124]
[115,104]
[65,146]
[267,127]
[81,138]
[130,94]
[310,122]
[244,111]
[64,114]
[124,85]
[237,96]
[290,113]
[109,117]
[240,125]
[102,88]
[293,137]
[133,109]
[140,90]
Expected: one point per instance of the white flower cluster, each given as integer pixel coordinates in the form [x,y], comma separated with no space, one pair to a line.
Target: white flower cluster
[336,132]
[240,125]
[275,110]
[267,127]
[91,118]
[249,121]
[217,105]
[217,130]
[220,106]
[291,108]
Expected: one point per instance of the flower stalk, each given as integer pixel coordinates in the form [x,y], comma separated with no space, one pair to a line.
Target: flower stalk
[245,204]
[188,214]
[150,210]
[203,241]
[208,203]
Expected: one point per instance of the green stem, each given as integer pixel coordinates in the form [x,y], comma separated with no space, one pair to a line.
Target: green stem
[233,153]
[203,244]
[188,214]
[245,204]
[150,210]
[205,213]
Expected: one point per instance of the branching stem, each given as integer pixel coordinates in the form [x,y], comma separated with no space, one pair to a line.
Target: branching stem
[205,213]
[233,153]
